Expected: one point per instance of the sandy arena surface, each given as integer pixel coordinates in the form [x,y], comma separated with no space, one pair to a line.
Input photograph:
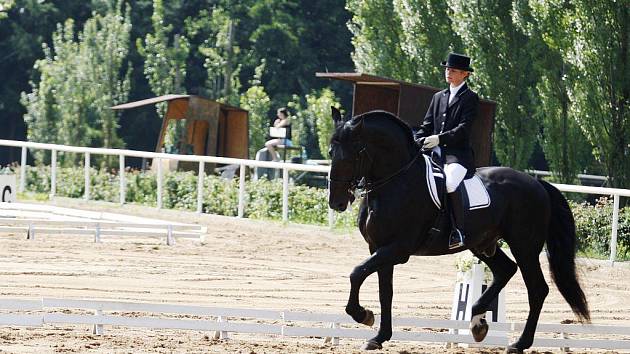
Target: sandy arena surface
[248,264]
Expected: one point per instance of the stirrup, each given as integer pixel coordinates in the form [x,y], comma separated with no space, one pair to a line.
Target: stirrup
[455,243]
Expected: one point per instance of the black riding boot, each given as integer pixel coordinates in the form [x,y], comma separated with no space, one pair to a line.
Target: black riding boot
[456,239]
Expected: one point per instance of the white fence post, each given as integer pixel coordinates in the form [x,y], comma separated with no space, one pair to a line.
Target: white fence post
[332,340]
[53,173]
[121,177]
[285,194]
[241,191]
[221,334]
[200,177]
[615,226]
[30,234]
[169,235]
[159,183]
[331,213]
[86,195]
[23,170]
[97,233]
[98,328]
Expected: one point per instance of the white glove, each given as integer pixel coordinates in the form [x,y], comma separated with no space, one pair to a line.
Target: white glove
[431,141]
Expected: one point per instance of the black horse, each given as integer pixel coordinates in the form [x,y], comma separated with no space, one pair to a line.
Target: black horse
[396,215]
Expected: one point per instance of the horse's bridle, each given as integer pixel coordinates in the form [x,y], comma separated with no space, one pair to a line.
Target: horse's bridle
[359,179]
[357,173]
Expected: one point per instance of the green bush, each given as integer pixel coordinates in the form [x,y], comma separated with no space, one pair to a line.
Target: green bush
[593,225]
[308,205]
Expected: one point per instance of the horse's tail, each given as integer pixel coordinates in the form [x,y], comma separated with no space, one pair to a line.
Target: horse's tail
[561,246]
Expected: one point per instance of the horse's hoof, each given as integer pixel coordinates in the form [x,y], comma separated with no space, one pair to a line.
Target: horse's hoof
[512,349]
[368,320]
[479,330]
[371,345]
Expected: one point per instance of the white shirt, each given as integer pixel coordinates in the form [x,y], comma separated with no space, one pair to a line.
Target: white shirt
[454,91]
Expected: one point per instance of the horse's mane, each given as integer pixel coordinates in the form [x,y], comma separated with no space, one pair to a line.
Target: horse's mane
[379,114]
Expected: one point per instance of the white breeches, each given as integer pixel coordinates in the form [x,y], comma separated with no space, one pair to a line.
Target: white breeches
[454,174]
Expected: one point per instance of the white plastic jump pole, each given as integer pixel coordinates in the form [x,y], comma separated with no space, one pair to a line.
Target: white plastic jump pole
[53,173]
[285,194]
[86,195]
[23,170]
[241,191]
[200,177]
[121,177]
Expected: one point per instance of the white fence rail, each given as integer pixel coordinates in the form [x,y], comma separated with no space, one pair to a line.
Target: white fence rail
[45,219]
[158,157]
[286,167]
[19,312]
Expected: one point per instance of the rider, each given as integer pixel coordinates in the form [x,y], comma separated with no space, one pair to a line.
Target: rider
[446,130]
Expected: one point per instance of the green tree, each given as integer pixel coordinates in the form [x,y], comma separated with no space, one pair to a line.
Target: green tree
[5,5]
[600,87]
[503,71]
[377,38]
[312,125]
[220,51]
[257,102]
[426,38]
[319,105]
[565,147]
[296,39]
[80,78]
[28,24]
[165,67]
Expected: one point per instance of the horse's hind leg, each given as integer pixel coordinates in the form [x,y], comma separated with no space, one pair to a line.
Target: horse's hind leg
[503,268]
[537,290]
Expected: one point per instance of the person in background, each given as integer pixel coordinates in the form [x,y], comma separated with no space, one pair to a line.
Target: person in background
[282,121]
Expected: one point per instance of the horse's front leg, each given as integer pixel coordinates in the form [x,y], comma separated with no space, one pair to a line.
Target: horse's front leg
[382,260]
[385,294]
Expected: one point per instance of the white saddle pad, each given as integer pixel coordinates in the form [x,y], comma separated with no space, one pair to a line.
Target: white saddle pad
[477,194]
[478,197]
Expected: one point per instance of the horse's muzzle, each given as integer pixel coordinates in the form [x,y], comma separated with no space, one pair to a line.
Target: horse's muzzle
[341,204]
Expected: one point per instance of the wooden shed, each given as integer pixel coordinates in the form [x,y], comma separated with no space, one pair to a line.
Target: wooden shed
[212,128]
[410,102]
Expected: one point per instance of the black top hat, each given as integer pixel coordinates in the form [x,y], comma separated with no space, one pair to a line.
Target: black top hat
[457,61]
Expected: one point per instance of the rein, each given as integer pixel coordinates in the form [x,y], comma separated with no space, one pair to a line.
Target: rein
[359,181]
[369,187]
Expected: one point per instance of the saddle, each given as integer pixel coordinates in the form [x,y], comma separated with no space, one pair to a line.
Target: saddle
[474,196]
[475,193]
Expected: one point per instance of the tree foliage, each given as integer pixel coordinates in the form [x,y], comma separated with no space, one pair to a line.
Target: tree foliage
[600,88]
[165,68]
[80,78]
[427,37]
[257,102]
[503,73]
[563,143]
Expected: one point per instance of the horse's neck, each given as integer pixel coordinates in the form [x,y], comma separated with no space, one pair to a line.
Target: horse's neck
[388,164]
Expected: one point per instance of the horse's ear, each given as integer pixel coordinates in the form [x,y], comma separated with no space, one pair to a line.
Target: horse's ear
[336,115]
